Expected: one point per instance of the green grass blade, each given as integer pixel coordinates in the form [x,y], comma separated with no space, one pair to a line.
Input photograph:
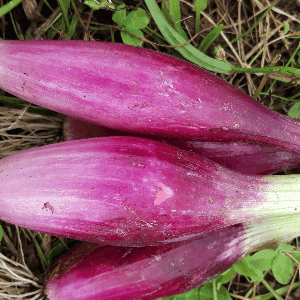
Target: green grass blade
[176,15]
[255,24]
[198,58]
[9,6]
[63,5]
[17,103]
[74,23]
[187,51]
[165,12]
[29,36]
[200,5]
[58,24]
[14,25]
[272,291]
[155,35]
[210,38]
[288,63]
[279,291]
[41,254]
[48,5]
[54,252]
[269,70]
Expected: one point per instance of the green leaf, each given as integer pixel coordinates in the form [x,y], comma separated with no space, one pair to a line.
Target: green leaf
[284,247]
[137,19]
[296,255]
[209,39]
[294,111]
[206,293]
[167,298]
[263,259]
[283,269]
[131,40]
[97,4]
[55,252]
[188,51]
[226,276]
[200,5]
[120,16]
[223,294]
[244,268]
[1,233]
[191,295]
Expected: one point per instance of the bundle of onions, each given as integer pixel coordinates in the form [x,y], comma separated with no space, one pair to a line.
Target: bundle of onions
[135,192]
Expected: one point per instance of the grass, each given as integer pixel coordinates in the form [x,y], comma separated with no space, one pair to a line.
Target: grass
[254,45]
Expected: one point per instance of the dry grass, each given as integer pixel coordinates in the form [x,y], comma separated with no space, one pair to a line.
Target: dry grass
[17,278]
[20,130]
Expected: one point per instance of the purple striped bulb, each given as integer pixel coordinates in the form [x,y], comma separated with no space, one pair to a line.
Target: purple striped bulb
[239,156]
[140,91]
[122,273]
[131,191]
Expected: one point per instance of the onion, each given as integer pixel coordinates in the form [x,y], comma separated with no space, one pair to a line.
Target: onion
[238,156]
[140,91]
[122,273]
[131,191]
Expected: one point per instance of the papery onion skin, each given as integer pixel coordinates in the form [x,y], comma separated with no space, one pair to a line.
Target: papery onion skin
[123,273]
[138,90]
[131,191]
[239,156]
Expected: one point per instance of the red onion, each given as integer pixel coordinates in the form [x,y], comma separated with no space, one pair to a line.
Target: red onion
[140,91]
[131,191]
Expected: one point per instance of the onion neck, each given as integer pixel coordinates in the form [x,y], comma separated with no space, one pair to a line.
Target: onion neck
[275,196]
[270,232]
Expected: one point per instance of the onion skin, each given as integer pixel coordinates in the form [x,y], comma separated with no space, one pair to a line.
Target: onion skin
[123,273]
[239,156]
[140,91]
[243,157]
[131,191]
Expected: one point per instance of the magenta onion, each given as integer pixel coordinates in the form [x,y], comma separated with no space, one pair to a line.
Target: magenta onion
[132,191]
[138,90]
[244,157]
[238,156]
[123,273]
